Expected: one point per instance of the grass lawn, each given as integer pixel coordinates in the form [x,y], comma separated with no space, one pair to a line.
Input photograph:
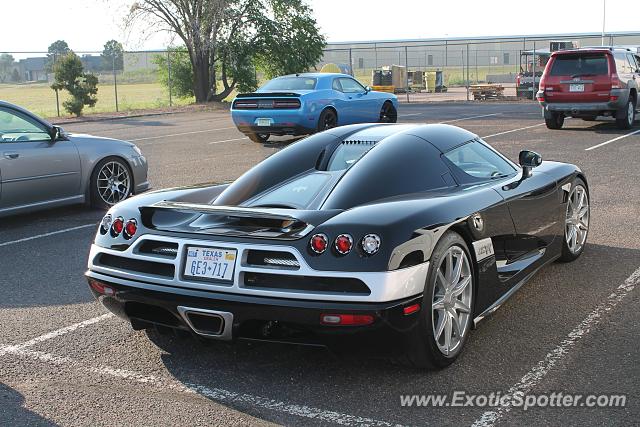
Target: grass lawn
[41,99]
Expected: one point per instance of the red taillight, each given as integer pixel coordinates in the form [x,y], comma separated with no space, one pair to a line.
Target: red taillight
[101,288]
[518,80]
[286,103]
[346,319]
[117,226]
[410,309]
[540,98]
[319,243]
[615,81]
[344,242]
[130,228]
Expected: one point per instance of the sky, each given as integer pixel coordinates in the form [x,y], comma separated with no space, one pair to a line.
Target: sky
[87,24]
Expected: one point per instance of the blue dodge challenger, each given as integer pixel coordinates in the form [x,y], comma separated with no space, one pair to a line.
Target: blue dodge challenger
[303,104]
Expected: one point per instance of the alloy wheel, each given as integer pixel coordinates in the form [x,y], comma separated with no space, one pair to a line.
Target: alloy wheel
[631,109]
[114,183]
[451,302]
[577,221]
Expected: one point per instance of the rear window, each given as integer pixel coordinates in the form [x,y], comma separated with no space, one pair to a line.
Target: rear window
[297,193]
[347,154]
[580,65]
[290,83]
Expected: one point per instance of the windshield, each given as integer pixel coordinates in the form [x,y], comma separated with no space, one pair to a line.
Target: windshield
[290,83]
[580,65]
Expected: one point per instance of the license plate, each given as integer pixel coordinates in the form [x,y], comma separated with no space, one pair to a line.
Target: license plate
[576,87]
[210,263]
[264,122]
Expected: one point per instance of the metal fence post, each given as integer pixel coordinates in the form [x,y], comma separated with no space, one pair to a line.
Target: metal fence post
[467,71]
[533,85]
[115,80]
[54,77]
[406,68]
[350,62]
[169,75]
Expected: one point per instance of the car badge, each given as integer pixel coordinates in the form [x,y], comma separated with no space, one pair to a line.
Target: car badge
[477,222]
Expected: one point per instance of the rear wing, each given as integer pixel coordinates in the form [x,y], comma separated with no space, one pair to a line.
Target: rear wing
[267,223]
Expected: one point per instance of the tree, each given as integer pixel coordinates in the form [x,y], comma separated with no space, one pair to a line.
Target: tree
[83,87]
[181,71]
[6,67]
[113,55]
[56,49]
[227,39]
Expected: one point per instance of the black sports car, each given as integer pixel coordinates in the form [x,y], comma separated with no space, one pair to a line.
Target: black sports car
[397,237]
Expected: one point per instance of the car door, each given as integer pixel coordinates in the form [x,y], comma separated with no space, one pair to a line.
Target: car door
[361,106]
[33,168]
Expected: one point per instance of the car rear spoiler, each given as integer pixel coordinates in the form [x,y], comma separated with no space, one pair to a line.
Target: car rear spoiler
[267,94]
[274,223]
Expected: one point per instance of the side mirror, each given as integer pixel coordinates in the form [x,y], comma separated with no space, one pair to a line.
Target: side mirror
[367,89]
[529,160]
[55,132]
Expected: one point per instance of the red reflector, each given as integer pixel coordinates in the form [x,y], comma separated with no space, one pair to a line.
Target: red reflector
[318,243]
[117,226]
[346,319]
[101,288]
[410,309]
[343,244]
[613,98]
[540,99]
[130,229]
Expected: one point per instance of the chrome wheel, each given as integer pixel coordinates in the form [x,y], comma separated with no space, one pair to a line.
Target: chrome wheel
[451,302]
[113,182]
[577,221]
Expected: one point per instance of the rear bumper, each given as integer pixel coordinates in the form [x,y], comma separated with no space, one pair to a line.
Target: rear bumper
[283,122]
[258,318]
[583,108]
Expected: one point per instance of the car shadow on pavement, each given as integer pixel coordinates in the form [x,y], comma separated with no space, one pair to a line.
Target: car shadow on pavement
[13,412]
[497,354]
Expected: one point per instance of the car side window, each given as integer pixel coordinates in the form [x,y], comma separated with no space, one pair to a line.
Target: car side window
[622,63]
[336,85]
[632,60]
[17,127]
[351,86]
[479,161]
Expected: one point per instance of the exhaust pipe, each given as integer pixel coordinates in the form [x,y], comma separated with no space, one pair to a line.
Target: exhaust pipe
[208,323]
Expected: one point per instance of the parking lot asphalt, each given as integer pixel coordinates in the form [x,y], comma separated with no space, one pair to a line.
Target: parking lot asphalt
[573,328]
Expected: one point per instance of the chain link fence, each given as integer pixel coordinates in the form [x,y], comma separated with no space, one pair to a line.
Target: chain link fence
[134,80]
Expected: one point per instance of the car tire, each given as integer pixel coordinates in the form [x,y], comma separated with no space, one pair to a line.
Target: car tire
[577,218]
[554,121]
[328,119]
[388,113]
[113,172]
[428,343]
[629,113]
[259,138]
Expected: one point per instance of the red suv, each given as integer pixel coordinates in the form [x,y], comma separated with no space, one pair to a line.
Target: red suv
[588,83]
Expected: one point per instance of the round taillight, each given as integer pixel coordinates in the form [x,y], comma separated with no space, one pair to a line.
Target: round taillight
[130,228]
[319,243]
[370,244]
[344,242]
[105,224]
[117,226]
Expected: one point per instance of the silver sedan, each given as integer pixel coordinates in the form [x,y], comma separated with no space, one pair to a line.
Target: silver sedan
[41,166]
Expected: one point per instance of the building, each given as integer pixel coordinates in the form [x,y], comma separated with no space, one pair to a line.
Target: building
[499,54]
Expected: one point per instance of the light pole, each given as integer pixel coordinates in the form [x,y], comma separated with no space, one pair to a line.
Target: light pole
[604,16]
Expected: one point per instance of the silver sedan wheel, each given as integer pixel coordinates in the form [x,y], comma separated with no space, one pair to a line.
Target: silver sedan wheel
[114,183]
[577,221]
[451,302]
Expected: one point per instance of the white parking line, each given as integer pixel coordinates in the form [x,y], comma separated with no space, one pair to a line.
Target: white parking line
[53,334]
[512,130]
[471,117]
[52,233]
[228,140]
[612,140]
[542,368]
[178,134]
[215,394]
